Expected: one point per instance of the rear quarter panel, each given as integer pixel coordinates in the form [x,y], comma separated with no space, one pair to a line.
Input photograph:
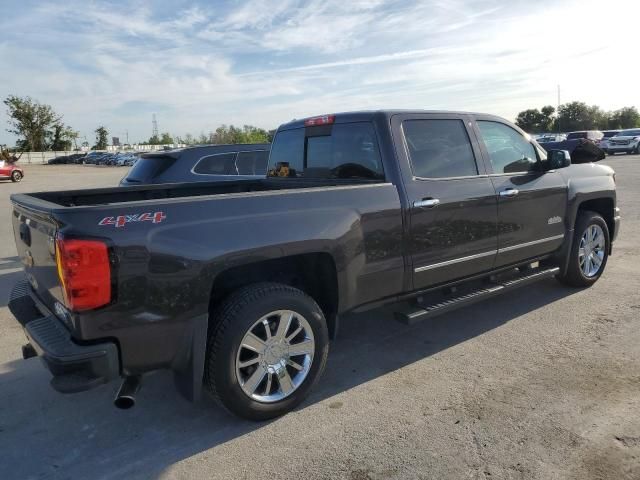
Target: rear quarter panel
[165,272]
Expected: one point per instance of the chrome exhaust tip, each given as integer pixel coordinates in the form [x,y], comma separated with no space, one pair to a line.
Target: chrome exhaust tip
[126,396]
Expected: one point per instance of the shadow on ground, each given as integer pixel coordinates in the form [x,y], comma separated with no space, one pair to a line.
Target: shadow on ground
[46,434]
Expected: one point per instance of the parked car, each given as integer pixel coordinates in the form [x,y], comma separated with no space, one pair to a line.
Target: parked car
[10,171]
[581,150]
[627,141]
[551,137]
[92,157]
[106,159]
[239,285]
[592,135]
[204,163]
[604,141]
[73,158]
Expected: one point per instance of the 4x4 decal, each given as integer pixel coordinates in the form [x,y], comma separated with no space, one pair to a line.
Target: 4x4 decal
[122,220]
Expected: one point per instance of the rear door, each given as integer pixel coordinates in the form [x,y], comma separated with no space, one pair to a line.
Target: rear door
[452,202]
[532,203]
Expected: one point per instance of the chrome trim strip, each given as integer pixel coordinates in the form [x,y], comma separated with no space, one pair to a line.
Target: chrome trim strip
[528,244]
[455,260]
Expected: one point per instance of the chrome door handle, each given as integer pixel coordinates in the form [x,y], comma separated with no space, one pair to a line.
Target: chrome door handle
[509,192]
[426,203]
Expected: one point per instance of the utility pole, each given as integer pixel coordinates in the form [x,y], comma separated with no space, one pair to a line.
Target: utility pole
[558,110]
[154,122]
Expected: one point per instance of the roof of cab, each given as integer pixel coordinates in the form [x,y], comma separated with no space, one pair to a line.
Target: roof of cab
[368,115]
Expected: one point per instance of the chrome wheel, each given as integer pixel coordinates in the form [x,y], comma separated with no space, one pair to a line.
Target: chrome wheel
[591,250]
[275,356]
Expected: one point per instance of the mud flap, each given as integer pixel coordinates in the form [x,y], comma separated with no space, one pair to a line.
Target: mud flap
[188,369]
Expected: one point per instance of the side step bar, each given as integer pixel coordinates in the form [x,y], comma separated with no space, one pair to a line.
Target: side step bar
[415,313]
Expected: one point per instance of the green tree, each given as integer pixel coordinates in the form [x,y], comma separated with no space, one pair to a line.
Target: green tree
[154,140]
[166,139]
[580,116]
[101,138]
[536,121]
[626,117]
[230,134]
[30,119]
[62,137]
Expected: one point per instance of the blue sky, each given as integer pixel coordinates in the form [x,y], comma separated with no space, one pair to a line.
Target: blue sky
[200,64]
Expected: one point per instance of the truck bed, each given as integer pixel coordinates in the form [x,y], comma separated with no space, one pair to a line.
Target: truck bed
[51,201]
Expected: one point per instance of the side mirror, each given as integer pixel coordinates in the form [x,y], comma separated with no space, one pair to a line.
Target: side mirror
[558,159]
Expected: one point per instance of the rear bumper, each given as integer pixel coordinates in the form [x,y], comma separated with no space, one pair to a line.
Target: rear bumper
[74,367]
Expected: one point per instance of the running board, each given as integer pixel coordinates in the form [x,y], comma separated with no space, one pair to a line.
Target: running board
[416,313]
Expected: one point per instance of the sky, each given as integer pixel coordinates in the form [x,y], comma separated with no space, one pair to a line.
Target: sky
[198,65]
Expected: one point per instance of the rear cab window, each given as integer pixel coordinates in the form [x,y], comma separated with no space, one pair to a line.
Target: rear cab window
[335,151]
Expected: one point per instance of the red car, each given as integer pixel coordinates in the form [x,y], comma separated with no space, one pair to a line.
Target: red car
[9,171]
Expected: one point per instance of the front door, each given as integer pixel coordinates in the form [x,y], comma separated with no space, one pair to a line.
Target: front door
[452,203]
[532,203]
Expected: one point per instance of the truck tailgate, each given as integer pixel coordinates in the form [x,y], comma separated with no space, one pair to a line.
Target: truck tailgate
[35,233]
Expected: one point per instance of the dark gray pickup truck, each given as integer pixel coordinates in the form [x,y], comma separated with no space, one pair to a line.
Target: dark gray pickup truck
[239,285]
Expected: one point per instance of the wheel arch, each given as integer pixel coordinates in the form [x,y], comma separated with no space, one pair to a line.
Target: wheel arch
[313,273]
[601,204]
[604,206]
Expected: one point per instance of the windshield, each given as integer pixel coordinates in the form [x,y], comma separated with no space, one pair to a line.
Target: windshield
[629,133]
[610,134]
[574,135]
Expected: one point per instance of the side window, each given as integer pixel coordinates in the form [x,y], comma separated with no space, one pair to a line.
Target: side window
[252,163]
[221,164]
[509,151]
[439,148]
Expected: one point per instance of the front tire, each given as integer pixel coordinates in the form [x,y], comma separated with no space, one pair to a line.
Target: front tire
[16,176]
[267,349]
[589,250]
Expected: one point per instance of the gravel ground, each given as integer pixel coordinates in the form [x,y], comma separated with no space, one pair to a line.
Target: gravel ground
[543,383]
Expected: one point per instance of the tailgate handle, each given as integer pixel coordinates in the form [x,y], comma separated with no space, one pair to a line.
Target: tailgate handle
[25,234]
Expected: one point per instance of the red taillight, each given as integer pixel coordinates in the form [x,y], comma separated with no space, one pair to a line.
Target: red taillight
[85,273]
[321,120]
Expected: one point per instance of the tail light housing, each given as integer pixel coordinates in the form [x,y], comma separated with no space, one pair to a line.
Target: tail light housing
[85,273]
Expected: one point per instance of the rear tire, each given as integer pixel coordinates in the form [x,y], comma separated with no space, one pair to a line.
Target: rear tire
[245,315]
[588,257]
[16,176]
